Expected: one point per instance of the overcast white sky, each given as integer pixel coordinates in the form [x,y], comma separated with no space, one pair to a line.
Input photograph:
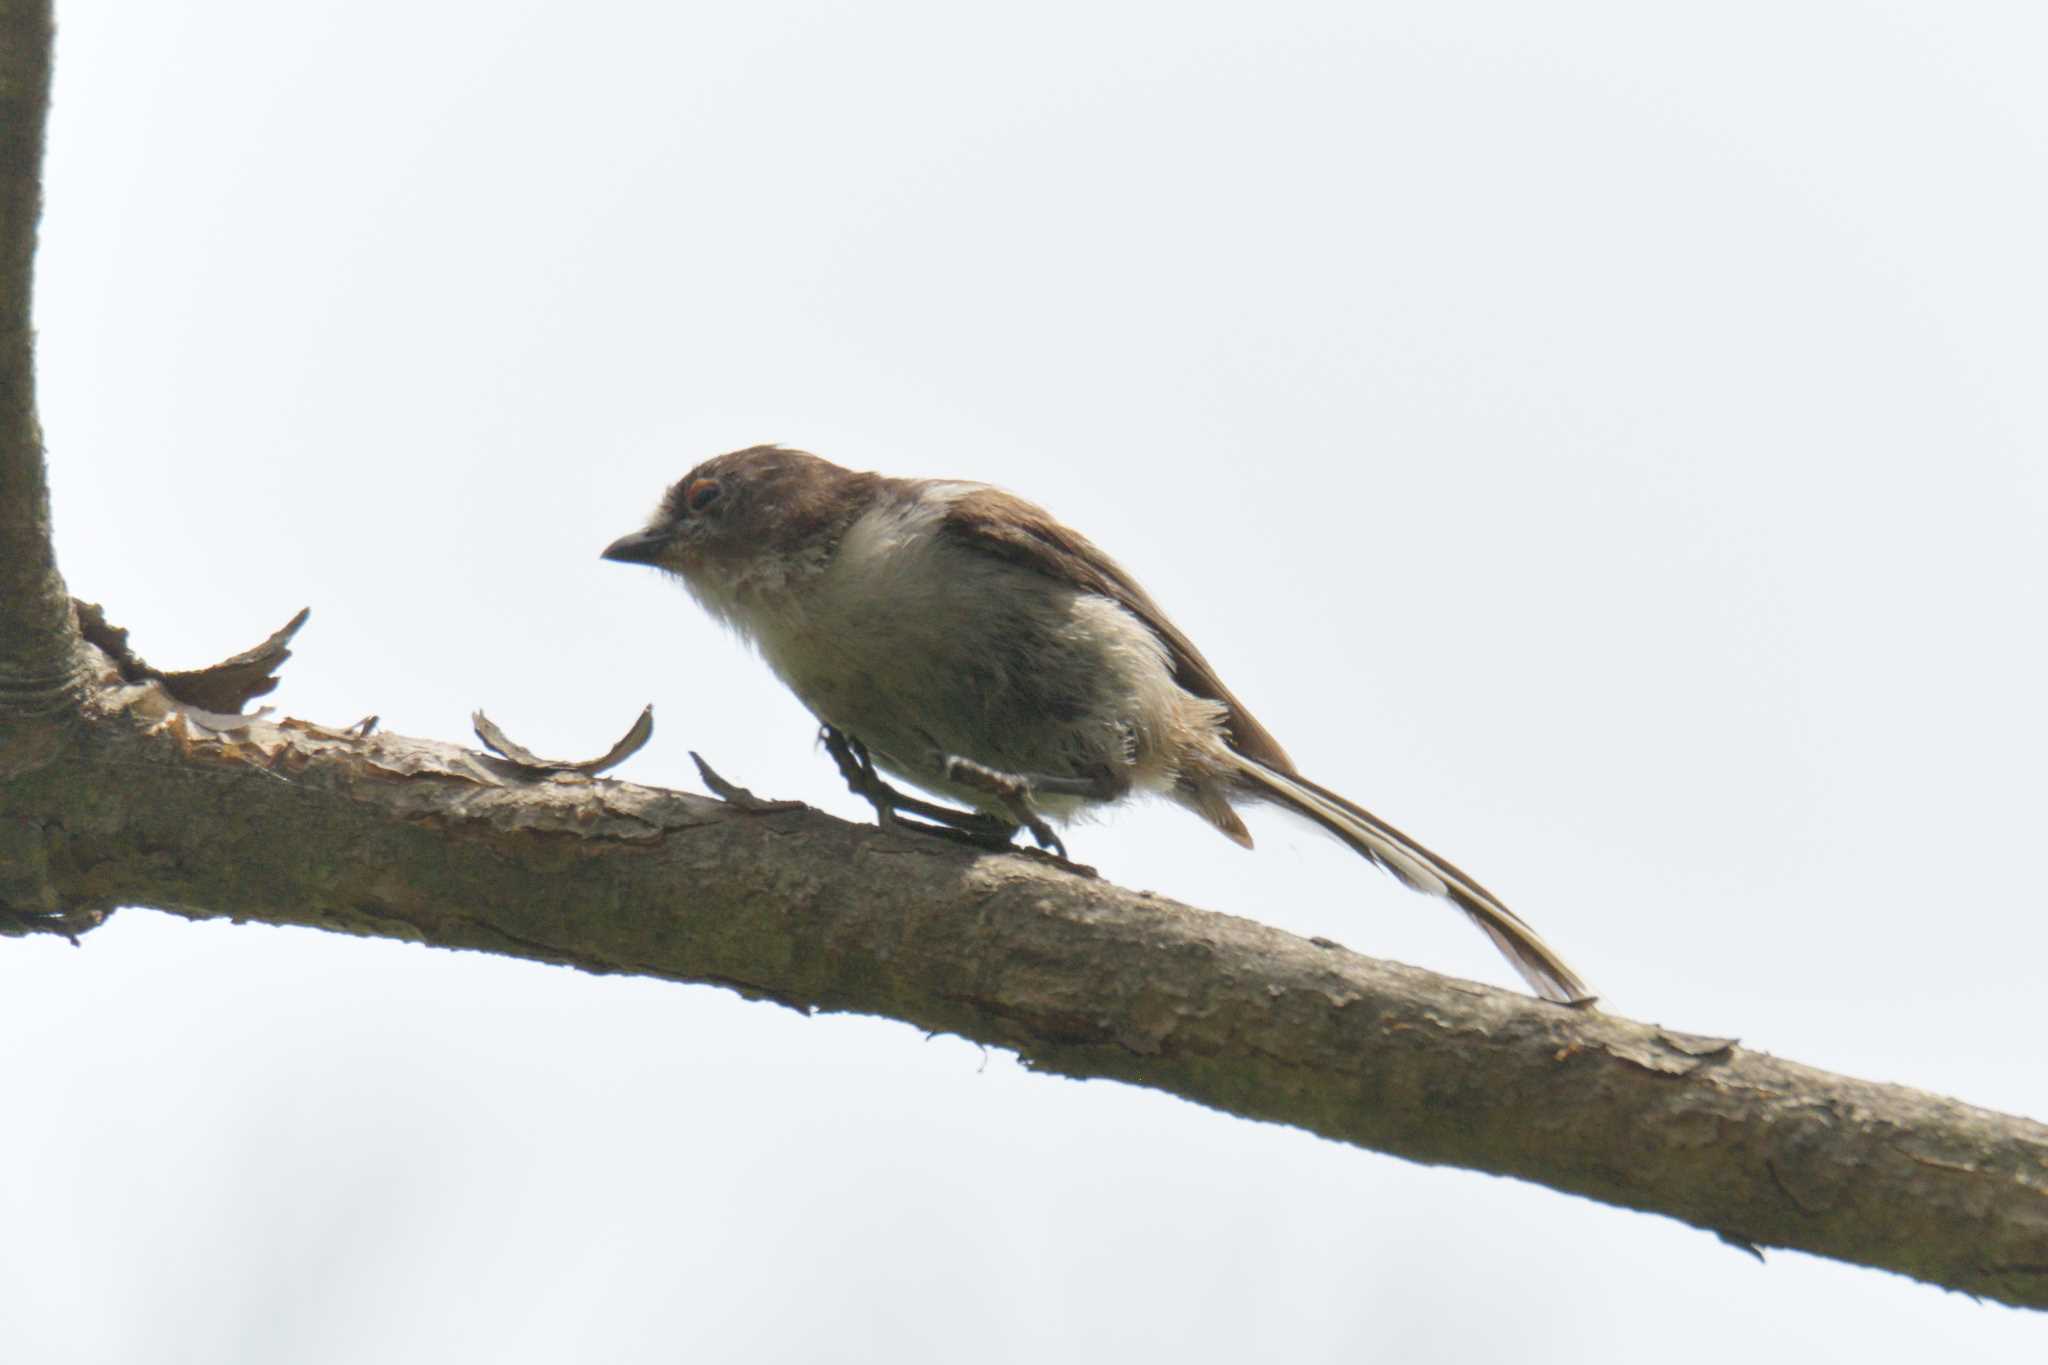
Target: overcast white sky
[1605,439]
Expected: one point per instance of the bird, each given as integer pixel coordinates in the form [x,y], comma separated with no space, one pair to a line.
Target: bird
[959,638]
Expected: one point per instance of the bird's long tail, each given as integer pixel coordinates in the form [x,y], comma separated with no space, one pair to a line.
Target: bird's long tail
[1417,867]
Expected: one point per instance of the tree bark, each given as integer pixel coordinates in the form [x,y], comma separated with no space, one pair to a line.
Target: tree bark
[293,823]
[35,646]
[113,792]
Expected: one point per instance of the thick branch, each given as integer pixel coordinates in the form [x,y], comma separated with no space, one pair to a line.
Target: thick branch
[297,824]
[148,803]
[35,629]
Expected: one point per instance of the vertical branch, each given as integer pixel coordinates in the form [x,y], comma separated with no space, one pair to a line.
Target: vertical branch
[35,631]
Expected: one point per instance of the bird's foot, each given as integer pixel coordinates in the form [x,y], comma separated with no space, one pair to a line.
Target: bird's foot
[1014,791]
[857,766]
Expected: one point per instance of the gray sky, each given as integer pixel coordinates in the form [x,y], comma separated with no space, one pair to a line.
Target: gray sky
[1605,439]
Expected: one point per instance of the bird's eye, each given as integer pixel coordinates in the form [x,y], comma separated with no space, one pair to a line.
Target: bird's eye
[701,494]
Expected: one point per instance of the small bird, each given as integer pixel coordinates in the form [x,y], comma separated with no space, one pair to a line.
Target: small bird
[962,639]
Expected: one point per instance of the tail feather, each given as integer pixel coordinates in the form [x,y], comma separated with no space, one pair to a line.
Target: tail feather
[1415,866]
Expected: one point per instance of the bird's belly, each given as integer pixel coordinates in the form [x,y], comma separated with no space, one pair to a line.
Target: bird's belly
[1031,692]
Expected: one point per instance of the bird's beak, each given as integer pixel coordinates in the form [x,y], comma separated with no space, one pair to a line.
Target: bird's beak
[641,547]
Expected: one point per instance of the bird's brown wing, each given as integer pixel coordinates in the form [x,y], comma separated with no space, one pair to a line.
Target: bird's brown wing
[1002,524]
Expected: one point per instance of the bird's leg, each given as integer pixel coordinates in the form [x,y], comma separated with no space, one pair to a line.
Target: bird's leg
[855,765]
[1015,790]
[858,768]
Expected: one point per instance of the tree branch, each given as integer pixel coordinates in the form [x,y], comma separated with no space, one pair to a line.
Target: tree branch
[294,823]
[113,792]
[36,636]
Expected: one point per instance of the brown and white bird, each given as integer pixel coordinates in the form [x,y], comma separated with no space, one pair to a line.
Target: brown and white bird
[964,640]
